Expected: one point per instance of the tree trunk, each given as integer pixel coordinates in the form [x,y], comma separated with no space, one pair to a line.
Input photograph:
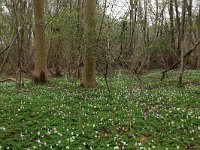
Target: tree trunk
[192,59]
[40,71]
[88,76]
[178,24]
[146,34]
[183,41]
[132,29]
[198,49]
[171,14]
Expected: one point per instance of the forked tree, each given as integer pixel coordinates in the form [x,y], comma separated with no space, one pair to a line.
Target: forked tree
[40,70]
[88,75]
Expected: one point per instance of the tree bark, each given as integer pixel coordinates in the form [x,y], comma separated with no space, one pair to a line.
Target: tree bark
[132,29]
[40,71]
[171,14]
[88,76]
[183,44]
[178,24]
[198,31]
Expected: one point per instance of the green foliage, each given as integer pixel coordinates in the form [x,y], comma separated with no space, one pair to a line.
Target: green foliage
[61,115]
[63,26]
[158,45]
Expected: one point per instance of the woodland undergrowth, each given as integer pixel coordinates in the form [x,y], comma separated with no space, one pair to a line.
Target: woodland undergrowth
[63,115]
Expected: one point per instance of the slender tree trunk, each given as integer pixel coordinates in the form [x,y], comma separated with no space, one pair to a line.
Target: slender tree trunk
[79,39]
[171,14]
[178,24]
[198,30]
[40,71]
[132,29]
[146,33]
[190,40]
[145,23]
[172,38]
[88,76]
[15,29]
[183,41]
[157,19]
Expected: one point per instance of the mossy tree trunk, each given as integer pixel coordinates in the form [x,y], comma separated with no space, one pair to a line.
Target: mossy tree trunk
[40,71]
[88,76]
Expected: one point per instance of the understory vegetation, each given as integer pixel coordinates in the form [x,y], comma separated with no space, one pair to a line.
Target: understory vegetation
[63,115]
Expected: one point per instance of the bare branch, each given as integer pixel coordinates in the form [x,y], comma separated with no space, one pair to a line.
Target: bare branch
[184,57]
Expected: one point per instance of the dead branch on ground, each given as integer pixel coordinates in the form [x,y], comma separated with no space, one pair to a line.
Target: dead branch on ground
[184,57]
[8,79]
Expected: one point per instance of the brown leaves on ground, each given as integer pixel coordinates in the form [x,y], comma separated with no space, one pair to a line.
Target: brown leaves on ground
[143,138]
[104,132]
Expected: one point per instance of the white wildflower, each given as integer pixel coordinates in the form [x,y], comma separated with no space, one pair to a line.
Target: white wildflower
[3,128]
[116,147]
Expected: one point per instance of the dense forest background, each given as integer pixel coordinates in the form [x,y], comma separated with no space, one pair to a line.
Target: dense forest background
[135,35]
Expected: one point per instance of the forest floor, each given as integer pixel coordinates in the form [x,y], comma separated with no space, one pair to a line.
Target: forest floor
[63,115]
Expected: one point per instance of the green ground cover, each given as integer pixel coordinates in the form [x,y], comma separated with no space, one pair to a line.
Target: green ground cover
[62,115]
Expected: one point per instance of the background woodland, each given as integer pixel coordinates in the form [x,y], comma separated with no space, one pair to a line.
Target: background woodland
[145,35]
